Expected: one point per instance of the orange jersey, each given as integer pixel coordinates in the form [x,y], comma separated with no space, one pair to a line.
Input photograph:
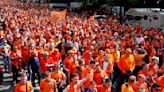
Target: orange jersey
[101,88]
[98,76]
[14,59]
[126,63]
[22,87]
[58,75]
[48,86]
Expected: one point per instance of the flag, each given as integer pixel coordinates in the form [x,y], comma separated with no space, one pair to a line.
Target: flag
[58,15]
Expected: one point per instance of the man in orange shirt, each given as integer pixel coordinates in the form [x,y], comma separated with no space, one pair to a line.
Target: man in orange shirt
[48,84]
[75,84]
[88,70]
[126,65]
[141,81]
[59,76]
[23,85]
[153,67]
[106,86]
[99,74]
[15,59]
[127,87]
[138,56]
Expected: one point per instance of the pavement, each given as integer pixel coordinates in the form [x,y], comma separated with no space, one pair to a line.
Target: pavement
[6,85]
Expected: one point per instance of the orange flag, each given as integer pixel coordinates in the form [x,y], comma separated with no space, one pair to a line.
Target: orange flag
[58,15]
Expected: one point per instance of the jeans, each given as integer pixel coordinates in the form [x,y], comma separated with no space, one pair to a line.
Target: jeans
[7,61]
[15,73]
[34,77]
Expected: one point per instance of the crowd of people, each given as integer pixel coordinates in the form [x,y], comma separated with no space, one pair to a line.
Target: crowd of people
[78,54]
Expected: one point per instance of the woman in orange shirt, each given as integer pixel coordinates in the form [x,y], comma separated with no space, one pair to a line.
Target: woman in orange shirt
[99,74]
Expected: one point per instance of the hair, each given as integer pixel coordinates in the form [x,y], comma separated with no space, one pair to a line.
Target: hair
[47,73]
[132,78]
[23,74]
[92,62]
[106,79]
[73,76]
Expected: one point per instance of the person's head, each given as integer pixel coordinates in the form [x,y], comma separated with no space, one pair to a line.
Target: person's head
[107,82]
[70,53]
[128,51]
[56,67]
[98,68]
[145,67]
[141,78]
[48,76]
[23,79]
[92,85]
[155,88]
[131,79]
[92,64]
[155,60]
[74,78]
[15,48]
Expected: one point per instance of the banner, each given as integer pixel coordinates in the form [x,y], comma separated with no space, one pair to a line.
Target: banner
[58,15]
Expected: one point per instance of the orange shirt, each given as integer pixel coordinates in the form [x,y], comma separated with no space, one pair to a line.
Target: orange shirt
[98,76]
[160,81]
[101,88]
[125,88]
[138,59]
[43,64]
[69,63]
[84,73]
[56,57]
[14,59]
[48,86]
[22,87]
[153,71]
[58,75]
[109,69]
[126,63]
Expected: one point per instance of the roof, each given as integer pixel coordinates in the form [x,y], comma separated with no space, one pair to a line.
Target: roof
[143,11]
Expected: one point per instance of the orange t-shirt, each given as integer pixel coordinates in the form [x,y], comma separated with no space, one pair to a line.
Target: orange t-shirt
[48,86]
[160,81]
[101,88]
[43,64]
[109,69]
[85,72]
[58,75]
[126,63]
[98,76]
[22,87]
[70,64]
[14,59]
